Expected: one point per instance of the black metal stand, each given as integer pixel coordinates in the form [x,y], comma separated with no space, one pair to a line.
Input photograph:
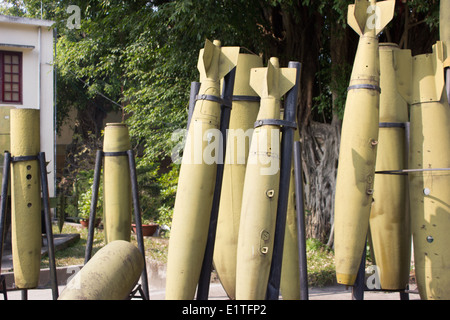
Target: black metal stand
[273,287]
[4,203]
[359,286]
[3,284]
[48,224]
[143,288]
[137,219]
[8,160]
[300,211]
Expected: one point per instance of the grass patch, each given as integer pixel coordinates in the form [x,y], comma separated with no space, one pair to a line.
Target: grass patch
[74,254]
[320,264]
[155,248]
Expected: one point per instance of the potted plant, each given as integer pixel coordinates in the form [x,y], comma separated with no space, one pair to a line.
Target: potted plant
[148,227]
[84,203]
[84,220]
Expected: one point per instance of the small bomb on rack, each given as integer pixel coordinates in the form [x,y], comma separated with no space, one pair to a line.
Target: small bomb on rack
[243,116]
[196,182]
[117,183]
[25,198]
[354,184]
[262,176]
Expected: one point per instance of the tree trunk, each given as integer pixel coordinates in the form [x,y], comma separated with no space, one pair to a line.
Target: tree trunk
[320,152]
[320,141]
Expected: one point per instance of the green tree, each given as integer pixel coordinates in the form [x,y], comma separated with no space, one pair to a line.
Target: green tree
[140,57]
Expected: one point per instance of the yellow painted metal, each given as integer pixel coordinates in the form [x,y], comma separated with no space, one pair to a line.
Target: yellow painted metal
[260,193]
[5,138]
[242,118]
[354,183]
[389,218]
[25,198]
[290,274]
[196,181]
[116,184]
[110,274]
[430,190]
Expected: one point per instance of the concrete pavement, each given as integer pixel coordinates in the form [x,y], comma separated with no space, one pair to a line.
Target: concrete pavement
[156,275]
[336,292]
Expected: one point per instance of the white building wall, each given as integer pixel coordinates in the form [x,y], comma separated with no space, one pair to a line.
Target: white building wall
[34,38]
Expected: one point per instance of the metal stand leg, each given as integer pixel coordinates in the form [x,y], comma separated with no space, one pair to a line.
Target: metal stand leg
[3,284]
[137,219]
[93,209]
[3,209]
[404,295]
[358,287]
[4,200]
[48,225]
[301,234]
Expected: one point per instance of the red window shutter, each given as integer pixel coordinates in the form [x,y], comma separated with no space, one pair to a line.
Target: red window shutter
[11,76]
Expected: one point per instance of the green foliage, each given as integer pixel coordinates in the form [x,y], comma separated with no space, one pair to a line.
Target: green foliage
[84,187]
[139,57]
[335,80]
[157,191]
[78,204]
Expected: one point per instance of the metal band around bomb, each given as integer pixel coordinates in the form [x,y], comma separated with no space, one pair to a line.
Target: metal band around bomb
[275,122]
[246,98]
[115,154]
[365,86]
[393,124]
[406,171]
[24,158]
[209,97]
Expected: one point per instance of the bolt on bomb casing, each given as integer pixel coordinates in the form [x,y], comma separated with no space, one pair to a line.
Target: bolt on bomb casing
[110,274]
[429,190]
[260,193]
[25,198]
[196,181]
[116,183]
[389,217]
[242,118]
[354,183]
